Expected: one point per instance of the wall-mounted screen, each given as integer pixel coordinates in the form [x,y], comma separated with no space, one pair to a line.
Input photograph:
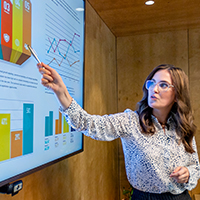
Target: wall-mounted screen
[33,133]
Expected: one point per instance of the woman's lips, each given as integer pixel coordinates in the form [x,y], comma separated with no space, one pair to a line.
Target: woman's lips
[153,97]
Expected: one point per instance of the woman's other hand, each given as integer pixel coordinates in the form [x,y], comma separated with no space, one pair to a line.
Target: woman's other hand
[181,174]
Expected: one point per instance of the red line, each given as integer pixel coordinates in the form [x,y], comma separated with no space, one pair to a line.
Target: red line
[59,64]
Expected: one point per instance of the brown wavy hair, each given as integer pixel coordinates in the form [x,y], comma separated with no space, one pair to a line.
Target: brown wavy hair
[181,110]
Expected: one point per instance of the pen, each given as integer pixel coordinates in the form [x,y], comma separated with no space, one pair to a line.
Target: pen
[33,53]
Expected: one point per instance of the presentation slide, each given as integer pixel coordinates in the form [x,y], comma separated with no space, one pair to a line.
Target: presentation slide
[32,130]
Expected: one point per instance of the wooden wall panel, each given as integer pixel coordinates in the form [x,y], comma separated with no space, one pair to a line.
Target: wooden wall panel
[92,174]
[136,57]
[194,76]
[100,98]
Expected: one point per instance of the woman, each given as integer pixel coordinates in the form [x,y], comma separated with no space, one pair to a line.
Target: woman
[158,138]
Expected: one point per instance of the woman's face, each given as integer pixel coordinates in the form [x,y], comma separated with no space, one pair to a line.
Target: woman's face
[158,99]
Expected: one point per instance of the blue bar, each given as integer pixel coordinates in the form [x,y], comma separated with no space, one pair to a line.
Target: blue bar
[1,54]
[46,126]
[28,128]
[49,124]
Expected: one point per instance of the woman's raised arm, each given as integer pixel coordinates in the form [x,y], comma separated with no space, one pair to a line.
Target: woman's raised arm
[52,80]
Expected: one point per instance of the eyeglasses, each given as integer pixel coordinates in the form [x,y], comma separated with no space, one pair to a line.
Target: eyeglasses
[162,86]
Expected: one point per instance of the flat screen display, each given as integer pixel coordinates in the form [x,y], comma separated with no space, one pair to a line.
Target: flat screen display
[33,133]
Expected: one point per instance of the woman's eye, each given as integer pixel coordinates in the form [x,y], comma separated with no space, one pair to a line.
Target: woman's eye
[163,85]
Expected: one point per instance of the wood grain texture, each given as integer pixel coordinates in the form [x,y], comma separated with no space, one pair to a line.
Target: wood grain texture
[194,77]
[100,98]
[127,18]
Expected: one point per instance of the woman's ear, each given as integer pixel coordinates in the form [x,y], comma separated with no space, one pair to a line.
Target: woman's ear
[175,99]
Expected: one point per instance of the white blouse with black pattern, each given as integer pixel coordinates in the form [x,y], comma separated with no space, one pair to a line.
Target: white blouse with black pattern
[149,159]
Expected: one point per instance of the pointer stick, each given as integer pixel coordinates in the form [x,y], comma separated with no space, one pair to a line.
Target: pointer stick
[33,53]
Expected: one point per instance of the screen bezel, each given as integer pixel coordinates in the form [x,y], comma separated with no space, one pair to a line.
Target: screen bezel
[26,173]
[42,166]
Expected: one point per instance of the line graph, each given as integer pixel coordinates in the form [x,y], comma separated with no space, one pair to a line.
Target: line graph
[63,45]
[63,40]
[64,56]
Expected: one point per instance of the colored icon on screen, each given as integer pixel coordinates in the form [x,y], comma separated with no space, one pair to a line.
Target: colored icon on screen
[15,29]
[6,37]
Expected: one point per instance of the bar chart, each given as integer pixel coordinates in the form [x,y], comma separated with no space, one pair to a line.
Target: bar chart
[61,126]
[58,128]
[16,127]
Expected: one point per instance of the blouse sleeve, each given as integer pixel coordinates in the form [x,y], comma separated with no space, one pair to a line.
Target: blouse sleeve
[106,127]
[194,169]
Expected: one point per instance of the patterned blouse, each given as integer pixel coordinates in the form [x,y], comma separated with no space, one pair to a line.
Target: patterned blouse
[149,159]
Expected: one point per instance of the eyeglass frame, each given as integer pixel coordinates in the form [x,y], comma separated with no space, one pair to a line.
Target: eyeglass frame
[155,84]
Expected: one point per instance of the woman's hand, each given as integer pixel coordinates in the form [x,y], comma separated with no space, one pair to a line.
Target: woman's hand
[52,80]
[181,174]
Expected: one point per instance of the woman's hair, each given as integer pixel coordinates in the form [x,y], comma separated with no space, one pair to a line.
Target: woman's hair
[181,110]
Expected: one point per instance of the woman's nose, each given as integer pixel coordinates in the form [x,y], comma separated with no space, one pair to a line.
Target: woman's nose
[156,88]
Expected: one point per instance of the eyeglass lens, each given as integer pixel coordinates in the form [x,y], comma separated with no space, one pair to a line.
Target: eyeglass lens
[161,85]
